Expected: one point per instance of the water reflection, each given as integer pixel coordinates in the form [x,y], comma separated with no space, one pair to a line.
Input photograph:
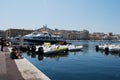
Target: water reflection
[85,45]
[109,53]
[115,54]
[40,56]
[33,54]
[37,55]
[57,55]
[28,53]
[85,48]
[88,64]
[106,53]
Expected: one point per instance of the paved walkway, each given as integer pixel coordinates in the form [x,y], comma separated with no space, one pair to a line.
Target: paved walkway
[19,69]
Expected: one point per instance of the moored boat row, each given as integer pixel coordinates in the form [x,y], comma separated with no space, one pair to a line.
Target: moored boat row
[43,42]
[58,48]
[108,47]
[47,48]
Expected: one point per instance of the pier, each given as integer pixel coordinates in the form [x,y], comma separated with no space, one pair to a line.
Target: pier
[19,69]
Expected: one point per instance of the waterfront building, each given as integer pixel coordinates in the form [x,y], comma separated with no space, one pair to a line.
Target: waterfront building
[16,32]
[67,34]
[84,35]
[2,33]
[103,36]
[96,36]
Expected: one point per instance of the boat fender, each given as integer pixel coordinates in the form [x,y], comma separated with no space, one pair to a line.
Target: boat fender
[33,48]
[97,48]
[106,50]
[40,50]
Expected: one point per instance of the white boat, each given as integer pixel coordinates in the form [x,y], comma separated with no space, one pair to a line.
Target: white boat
[111,47]
[51,49]
[58,48]
[40,38]
[72,47]
[37,38]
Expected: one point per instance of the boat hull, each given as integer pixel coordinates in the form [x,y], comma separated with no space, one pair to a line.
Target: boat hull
[39,42]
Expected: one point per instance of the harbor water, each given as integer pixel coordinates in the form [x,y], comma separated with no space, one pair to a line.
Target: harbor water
[87,64]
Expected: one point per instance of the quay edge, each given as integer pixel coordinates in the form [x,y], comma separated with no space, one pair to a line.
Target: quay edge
[27,70]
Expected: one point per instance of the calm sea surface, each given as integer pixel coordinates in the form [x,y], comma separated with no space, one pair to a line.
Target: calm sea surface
[82,65]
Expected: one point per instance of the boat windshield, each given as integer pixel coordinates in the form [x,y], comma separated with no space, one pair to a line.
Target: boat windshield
[35,33]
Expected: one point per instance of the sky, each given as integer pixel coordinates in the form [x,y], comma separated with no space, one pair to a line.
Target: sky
[92,15]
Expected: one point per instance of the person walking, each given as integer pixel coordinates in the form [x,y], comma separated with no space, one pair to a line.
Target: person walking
[2,43]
